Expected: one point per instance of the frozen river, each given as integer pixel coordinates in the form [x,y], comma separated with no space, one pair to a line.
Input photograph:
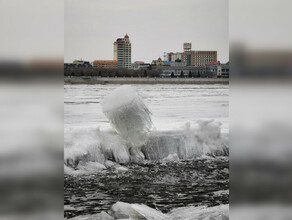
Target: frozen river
[171,105]
[190,188]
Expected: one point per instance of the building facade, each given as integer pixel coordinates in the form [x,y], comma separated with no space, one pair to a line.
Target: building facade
[104,64]
[220,70]
[198,58]
[178,64]
[158,62]
[140,65]
[224,70]
[192,57]
[122,52]
[177,71]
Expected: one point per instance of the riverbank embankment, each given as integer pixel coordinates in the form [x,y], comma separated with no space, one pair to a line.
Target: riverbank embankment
[136,80]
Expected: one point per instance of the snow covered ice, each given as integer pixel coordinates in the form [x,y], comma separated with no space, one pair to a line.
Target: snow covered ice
[127,211]
[187,143]
[97,146]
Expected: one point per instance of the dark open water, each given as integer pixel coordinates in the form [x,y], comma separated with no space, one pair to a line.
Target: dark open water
[163,186]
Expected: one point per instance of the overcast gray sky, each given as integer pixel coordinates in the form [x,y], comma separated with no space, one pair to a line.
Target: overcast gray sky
[154,27]
[35,28]
[31,29]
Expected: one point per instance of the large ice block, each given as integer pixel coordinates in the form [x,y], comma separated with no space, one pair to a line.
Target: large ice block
[128,115]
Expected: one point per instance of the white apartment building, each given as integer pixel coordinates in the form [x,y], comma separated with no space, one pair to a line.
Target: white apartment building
[122,52]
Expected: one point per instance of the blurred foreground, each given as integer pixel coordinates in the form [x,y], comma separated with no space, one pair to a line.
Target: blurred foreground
[31,128]
[31,134]
[260,110]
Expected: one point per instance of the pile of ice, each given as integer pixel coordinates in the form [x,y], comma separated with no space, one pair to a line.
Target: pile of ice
[205,138]
[93,150]
[90,150]
[128,115]
[122,210]
[126,211]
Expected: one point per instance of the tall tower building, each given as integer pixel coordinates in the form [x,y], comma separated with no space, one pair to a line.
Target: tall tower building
[122,52]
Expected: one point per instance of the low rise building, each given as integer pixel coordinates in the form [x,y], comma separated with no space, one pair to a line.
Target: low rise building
[158,62]
[178,64]
[77,63]
[140,65]
[104,64]
[224,70]
[218,69]
[81,62]
[144,66]
[178,71]
[166,63]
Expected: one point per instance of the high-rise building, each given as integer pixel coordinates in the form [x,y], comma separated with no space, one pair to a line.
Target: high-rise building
[122,52]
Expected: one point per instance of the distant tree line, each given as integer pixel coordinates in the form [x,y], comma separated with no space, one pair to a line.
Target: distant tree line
[111,72]
[122,72]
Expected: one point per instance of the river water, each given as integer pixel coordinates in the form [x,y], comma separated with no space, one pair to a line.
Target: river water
[163,185]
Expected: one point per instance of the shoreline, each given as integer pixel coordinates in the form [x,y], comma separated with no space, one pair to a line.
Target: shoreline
[129,80]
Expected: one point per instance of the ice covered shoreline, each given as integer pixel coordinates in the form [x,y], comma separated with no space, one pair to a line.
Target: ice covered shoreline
[127,80]
[91,150]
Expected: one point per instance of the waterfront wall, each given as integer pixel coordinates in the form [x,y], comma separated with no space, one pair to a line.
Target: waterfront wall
[134,80]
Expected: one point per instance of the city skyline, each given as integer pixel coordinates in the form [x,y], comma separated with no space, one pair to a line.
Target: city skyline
[154,28]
